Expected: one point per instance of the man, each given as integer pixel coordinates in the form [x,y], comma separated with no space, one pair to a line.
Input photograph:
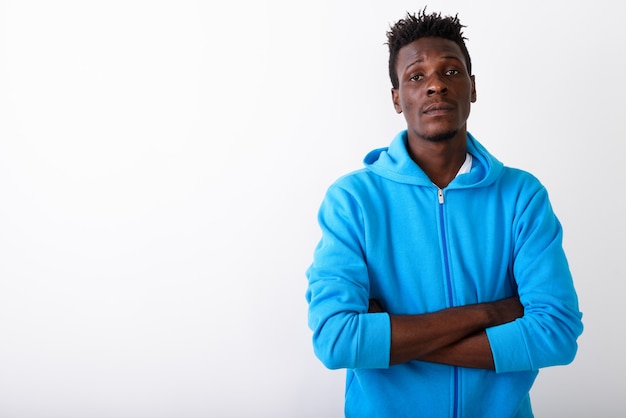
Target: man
[440,282]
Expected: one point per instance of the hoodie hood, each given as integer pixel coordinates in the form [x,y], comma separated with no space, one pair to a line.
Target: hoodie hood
[394,163]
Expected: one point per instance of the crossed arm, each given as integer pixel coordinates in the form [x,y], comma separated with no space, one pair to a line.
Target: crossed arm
[454,336]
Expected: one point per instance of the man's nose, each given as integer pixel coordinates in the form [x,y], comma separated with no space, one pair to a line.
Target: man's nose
[436,85]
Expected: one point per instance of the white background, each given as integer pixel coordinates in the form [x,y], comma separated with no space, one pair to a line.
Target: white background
[162,163]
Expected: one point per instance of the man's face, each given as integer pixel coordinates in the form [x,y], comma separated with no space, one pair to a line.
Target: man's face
[435,90]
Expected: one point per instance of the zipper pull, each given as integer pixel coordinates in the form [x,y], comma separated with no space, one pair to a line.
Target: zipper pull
[440,194]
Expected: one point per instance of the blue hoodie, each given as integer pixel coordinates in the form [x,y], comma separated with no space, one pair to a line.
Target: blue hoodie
[389,233]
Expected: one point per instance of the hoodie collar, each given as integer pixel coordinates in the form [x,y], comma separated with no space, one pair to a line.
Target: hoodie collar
[394,163]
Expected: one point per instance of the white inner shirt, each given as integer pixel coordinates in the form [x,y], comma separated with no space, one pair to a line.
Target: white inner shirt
[467,165]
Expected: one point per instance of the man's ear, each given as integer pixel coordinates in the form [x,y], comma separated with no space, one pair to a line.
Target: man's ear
[473,89]
[396,100]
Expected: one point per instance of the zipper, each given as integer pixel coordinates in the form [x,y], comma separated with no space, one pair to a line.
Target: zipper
[444,244]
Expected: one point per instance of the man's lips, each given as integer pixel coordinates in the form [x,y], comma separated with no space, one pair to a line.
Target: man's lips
[438,108]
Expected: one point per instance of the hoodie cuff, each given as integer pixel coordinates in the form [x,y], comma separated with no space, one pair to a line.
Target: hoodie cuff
[508,348]
[376,327]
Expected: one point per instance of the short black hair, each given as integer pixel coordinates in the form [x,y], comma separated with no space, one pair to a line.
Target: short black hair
[421,25]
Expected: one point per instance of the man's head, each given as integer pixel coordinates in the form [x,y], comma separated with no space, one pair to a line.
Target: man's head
[421,25]
[431,76]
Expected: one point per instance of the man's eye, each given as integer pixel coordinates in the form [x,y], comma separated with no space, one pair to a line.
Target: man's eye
[452,72]
[417,77]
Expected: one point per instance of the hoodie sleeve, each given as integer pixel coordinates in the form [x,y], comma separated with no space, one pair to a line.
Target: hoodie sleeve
[546,335]
[344,334]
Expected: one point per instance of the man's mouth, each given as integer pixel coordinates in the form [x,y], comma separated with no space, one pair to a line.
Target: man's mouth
[438,109]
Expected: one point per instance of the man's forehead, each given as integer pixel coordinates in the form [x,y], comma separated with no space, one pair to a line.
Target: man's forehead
[422,49]
[431,45]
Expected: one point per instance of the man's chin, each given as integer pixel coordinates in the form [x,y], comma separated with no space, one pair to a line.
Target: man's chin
[441,137]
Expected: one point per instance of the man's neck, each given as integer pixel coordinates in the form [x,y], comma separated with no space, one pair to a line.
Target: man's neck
[440,161]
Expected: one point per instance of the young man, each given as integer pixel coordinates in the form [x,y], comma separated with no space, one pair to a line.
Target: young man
[440,282]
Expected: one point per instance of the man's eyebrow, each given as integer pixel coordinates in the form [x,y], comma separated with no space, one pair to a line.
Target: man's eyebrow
[420,60]
[452,57]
